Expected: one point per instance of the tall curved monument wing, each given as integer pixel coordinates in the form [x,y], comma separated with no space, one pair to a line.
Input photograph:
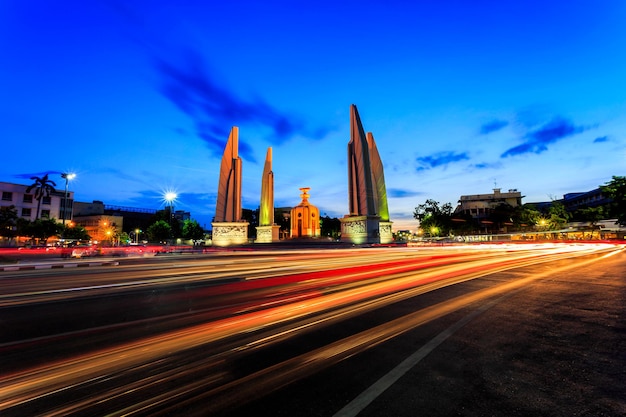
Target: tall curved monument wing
[228,227]
[267,231]
[361,191]
[228,207]
[368,220]
[378,178]
[266,209]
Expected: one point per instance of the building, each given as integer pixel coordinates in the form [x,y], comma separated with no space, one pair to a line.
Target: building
[588,199]
[101,227]
[103,220]
[481,206]
[51,207]
[305,218]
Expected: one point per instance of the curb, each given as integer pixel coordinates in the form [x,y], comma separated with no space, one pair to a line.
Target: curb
[56,266]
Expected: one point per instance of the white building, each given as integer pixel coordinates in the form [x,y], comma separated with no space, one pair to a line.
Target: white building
[481,206]
[26,204]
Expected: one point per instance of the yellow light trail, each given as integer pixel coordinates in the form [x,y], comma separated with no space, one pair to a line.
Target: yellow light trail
[22,387]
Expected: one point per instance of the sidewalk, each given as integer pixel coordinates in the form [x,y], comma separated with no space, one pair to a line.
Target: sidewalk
[55,264]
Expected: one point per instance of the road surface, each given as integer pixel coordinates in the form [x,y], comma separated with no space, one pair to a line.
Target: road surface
[503,330]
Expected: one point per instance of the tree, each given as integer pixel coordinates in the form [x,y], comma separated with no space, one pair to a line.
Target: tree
[42,229]
[43,187]
[434,220]
[501,216]
[525,216]
[559,216]
[616,191]
[281,219]
[193,231]
[23,227]
[592,215]
[167,216]
[76,233]
[124,238]
[8,221]
[252,217]
[330,227]
[159,231]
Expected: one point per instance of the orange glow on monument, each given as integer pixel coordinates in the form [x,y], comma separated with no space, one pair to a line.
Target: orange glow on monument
[378,177]
[228,207]
[228,227]
[368,221]
[368,218]
[361,191]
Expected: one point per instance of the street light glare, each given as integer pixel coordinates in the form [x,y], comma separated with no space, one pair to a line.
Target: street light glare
[170,196]
[68,176]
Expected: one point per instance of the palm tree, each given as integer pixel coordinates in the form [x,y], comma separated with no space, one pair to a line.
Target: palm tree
[43,187]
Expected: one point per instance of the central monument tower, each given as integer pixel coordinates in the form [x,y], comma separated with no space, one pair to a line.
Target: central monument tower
[228,227]
[368,220]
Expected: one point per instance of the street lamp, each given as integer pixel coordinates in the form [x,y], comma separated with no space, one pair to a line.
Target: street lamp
[67,177]
[170,196]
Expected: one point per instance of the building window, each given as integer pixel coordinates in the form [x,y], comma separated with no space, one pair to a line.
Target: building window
[47,201]
[28,198]
[45,214]
[26,212]
[7,196]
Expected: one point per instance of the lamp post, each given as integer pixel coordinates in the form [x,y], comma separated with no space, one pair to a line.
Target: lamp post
[67,177]
[170,197]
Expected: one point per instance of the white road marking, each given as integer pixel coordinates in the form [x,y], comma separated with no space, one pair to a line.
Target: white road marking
[357,405]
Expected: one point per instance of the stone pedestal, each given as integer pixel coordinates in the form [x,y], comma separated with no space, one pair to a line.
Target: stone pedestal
[360,229]
[384,231]
[227,233]
[267,234]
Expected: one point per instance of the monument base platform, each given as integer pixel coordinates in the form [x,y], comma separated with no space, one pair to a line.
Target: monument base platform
[385,233]
[267,234]
[227,234]
[360,229]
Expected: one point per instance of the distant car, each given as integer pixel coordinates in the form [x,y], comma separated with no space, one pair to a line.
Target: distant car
[83,251]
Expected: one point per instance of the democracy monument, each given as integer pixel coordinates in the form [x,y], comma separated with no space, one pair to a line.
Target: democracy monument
[228,227]
[368,217]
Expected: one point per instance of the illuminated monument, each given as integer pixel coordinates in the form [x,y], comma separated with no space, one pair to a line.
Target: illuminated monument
[267,231]
[228,227]
[368,221]
[305,218]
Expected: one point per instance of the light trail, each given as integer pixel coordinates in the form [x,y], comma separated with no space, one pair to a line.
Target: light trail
[336,298]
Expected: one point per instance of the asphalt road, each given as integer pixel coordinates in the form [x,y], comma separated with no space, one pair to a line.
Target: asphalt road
[374,333]
[554,348]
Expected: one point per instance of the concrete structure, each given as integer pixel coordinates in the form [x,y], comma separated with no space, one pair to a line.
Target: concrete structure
[368,220]
[101,227]
[228,227]
[95,216]
[305,218]
[593,198]
[481,206]
[26,204]
[267,231]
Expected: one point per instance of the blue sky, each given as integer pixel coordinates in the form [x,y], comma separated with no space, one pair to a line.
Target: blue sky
[138,97]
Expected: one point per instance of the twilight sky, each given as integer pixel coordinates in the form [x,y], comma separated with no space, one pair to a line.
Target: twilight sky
[138,97]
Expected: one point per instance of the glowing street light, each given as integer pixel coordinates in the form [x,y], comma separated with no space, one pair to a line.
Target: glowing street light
[67,177]
[170,197]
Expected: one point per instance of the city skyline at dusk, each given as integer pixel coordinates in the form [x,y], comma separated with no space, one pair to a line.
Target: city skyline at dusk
[137,98]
